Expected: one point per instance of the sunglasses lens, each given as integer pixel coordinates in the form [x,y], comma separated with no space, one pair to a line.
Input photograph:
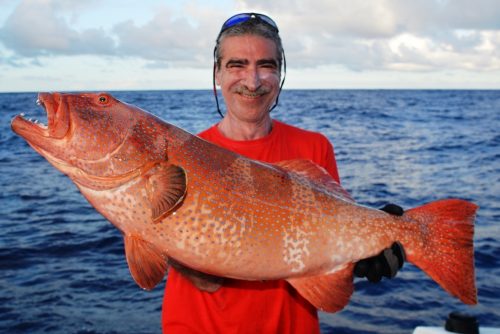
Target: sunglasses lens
[268,20]
[237,19]
[240,18]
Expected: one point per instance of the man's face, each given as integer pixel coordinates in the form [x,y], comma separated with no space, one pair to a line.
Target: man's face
[249,76]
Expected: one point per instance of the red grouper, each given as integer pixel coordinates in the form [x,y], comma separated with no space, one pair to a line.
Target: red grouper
[174,195]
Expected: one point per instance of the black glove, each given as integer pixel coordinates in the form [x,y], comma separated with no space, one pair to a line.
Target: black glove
[393,209]
[388,262]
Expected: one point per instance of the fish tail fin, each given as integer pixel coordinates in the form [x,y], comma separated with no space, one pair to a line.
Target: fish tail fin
[446,251]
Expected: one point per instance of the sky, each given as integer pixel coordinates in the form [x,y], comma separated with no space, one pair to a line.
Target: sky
[92,45]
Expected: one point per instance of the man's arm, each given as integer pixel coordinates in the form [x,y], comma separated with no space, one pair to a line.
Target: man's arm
[202,281]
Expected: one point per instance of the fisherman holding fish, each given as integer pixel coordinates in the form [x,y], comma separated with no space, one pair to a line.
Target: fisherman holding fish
[248,62]
[286,237]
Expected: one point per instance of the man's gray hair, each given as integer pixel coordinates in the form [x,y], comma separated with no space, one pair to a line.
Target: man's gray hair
[250,27]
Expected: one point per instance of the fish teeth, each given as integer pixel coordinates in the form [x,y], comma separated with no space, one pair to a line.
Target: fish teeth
[40,124]
[38,102]
[34,121]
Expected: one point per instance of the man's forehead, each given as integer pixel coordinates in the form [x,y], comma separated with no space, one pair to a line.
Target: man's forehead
[248,46]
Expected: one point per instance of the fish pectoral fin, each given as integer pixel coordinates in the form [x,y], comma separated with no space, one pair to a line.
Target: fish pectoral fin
[316,174]
[146,263]
[330,292]
[166,188]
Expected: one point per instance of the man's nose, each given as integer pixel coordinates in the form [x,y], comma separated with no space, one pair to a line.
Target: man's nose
[252,79]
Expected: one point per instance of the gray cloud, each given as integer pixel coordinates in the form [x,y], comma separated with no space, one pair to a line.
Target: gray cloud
[438,34]
[360,35]
[43,29]
[37,28]
[383,18]
[161,39]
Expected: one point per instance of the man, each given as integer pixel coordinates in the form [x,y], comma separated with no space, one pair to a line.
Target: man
[248,61]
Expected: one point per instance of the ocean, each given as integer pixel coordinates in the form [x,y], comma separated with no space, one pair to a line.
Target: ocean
[62,265]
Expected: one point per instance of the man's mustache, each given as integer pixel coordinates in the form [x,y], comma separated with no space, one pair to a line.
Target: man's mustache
[261,90]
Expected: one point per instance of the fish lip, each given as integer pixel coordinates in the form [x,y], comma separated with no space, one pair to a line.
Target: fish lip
[27,128]
[57,119]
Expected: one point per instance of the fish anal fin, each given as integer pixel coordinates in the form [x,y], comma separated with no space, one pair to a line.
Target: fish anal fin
[146,263]
[166,187]
[316,174]
[330,292]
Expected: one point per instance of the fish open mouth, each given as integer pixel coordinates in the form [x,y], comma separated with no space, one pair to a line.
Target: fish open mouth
[57,119]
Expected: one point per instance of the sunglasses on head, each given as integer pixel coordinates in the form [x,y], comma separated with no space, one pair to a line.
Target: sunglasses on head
[244,17]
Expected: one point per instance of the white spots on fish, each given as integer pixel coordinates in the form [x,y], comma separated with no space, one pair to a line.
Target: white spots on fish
[192,228]
[295,248]
[209,231]
[180,244]
[125,207]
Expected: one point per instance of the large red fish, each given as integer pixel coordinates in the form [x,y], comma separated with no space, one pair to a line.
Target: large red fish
[174,195]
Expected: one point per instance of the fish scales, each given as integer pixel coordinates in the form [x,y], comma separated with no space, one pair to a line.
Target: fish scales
[176,196]
[272,215]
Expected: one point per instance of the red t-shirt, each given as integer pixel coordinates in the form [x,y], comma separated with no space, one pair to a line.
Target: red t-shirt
[243,306]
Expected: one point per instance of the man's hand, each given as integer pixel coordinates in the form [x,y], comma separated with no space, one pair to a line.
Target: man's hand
[388,262]
[202,281]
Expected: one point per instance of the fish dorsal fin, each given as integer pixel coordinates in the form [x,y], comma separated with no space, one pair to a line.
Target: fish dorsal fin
[166,188]
[317,174]
[146,263]
[330,292]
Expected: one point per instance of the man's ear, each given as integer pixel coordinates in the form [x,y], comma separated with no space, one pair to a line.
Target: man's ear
[217,75]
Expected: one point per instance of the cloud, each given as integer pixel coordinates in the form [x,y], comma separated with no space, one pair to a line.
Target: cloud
[400,35]
[39,28]
[168,38]
[45,28]
[164,38]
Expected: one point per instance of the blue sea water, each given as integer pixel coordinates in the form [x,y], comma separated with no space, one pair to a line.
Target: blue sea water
[62,265]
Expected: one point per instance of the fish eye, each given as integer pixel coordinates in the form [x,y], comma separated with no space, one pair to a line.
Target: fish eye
[103,99]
